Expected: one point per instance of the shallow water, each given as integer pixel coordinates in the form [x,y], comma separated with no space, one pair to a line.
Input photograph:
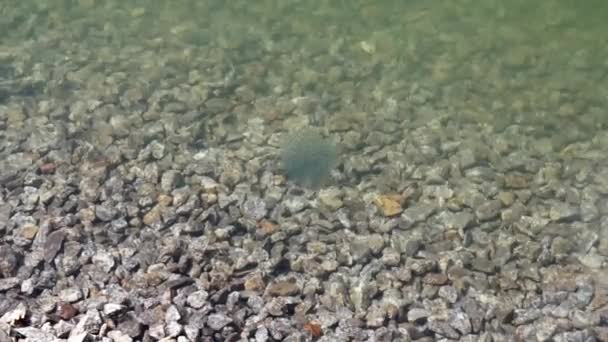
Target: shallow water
[140,144]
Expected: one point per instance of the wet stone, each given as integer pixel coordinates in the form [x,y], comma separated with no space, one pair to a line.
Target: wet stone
[376,315]
[119,336]
[254,208]
[435,279]
[460,321]
[331,198]
[119,225]
[170,180]
[483,265]
[513,214]
[8,261]
[417,314]
[545,329]
[30,197]
[583,295]
[467,158]
[418,213]
[62,328]
[192,330]
[28,286]
[488,210]
[561,246]
[217,105]
[471,197]
[563,212]
[421,266]
[443,328]
[112,309]
[130,326]
[295,204]
[525,316]
[105,213]
[5,211]
[157,331]
[197,299]
[391,257]
[388,205]
[34,334]
[172,314]
[70,295]
[90,322]
[515,181]
[189,206]
[581,319]
[225,200]
[405,243]
[360,295]
[104,260]
[218,321]
[589,211]
[232,173]
[173,329]
[287,287]
[154,149]
[448,293]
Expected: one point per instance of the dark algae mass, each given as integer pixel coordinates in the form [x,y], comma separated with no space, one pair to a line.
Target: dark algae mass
[308,158]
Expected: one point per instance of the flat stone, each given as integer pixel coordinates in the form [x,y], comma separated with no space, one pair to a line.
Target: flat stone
[218,321]
[287,287]
[389,205]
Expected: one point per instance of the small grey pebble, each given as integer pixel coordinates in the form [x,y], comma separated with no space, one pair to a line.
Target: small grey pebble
[70,295]
[218,321]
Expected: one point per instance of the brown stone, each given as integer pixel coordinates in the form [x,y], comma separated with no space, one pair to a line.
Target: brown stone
[390,205]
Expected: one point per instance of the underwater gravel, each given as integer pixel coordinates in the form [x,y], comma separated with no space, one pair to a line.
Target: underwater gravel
[156,208]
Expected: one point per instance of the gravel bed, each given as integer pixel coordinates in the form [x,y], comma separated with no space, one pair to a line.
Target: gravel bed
[145,196]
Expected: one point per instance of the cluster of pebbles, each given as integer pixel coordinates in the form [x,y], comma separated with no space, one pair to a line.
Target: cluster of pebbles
[142,196]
